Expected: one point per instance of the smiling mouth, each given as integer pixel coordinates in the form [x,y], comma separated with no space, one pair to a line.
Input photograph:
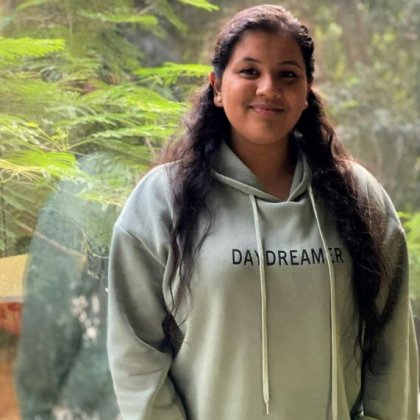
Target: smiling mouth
[267,110]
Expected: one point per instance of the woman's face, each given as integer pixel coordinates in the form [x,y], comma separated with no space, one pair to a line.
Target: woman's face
[263,89]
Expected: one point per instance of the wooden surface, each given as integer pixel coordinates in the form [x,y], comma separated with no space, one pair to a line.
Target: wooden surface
[8,401]
[12,270]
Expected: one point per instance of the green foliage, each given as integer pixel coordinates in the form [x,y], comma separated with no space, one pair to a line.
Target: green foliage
[148,21]
[71,87]
[370,62]
[412,227]
[31,165]
[200,3]
[169,73]
[13,49]
[31,3]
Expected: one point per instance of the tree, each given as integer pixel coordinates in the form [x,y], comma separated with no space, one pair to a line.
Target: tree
[71,84]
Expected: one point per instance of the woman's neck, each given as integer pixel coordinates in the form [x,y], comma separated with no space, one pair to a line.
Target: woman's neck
[273,165]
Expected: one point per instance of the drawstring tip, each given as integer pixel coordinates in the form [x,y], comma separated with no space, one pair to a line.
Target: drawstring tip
[267,408]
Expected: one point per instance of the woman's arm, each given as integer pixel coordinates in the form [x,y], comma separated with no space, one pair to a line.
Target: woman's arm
[139,359]
[392,392]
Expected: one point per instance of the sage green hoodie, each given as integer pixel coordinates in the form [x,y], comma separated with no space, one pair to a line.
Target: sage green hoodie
[260,341]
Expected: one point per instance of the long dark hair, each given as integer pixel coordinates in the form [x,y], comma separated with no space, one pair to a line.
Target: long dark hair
[333,180]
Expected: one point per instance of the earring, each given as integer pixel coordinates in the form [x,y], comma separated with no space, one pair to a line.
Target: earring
[218,100]
[306,105]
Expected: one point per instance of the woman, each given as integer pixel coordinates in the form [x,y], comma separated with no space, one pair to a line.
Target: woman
[261,273]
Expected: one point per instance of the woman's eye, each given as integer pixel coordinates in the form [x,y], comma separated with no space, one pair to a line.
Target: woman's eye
[288,74]
[249,72]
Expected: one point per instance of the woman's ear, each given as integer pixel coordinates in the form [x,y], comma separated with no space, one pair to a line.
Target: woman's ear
[217,93]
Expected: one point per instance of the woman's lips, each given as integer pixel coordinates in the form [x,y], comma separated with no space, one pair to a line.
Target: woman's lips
[267,110]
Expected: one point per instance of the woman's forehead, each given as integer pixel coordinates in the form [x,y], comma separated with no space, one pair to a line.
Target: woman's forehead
[262,46]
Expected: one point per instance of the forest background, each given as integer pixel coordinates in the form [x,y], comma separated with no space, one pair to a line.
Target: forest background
[87,77]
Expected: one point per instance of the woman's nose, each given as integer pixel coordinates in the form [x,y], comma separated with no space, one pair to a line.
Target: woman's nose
[268,86]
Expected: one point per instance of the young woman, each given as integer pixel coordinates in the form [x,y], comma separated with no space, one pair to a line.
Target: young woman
[261,273]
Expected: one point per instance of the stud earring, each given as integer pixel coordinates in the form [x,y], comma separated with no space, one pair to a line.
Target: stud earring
[218,100]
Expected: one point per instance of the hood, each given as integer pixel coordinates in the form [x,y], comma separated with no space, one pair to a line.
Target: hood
[230,170]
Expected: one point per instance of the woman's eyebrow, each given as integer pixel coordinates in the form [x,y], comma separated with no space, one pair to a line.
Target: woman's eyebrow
[288,62]
[292,63]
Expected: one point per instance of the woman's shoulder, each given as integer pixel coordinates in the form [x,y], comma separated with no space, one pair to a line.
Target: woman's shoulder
[156,181]
[366,182]
[371,192]
[150,202]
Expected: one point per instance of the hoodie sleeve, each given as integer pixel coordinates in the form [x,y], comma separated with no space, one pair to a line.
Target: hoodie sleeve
[139,359]
[392,391]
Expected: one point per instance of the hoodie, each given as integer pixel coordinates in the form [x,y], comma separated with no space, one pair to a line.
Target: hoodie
[268,330]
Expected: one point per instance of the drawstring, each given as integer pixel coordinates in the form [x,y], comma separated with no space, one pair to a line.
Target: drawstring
[334,391]
[264,345]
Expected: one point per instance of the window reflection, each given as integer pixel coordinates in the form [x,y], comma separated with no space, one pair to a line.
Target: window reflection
[61,368]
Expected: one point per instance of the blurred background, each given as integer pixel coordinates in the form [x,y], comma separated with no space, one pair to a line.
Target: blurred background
[90,90]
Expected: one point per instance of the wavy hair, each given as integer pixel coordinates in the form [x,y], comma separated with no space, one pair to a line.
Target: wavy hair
[207,127]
